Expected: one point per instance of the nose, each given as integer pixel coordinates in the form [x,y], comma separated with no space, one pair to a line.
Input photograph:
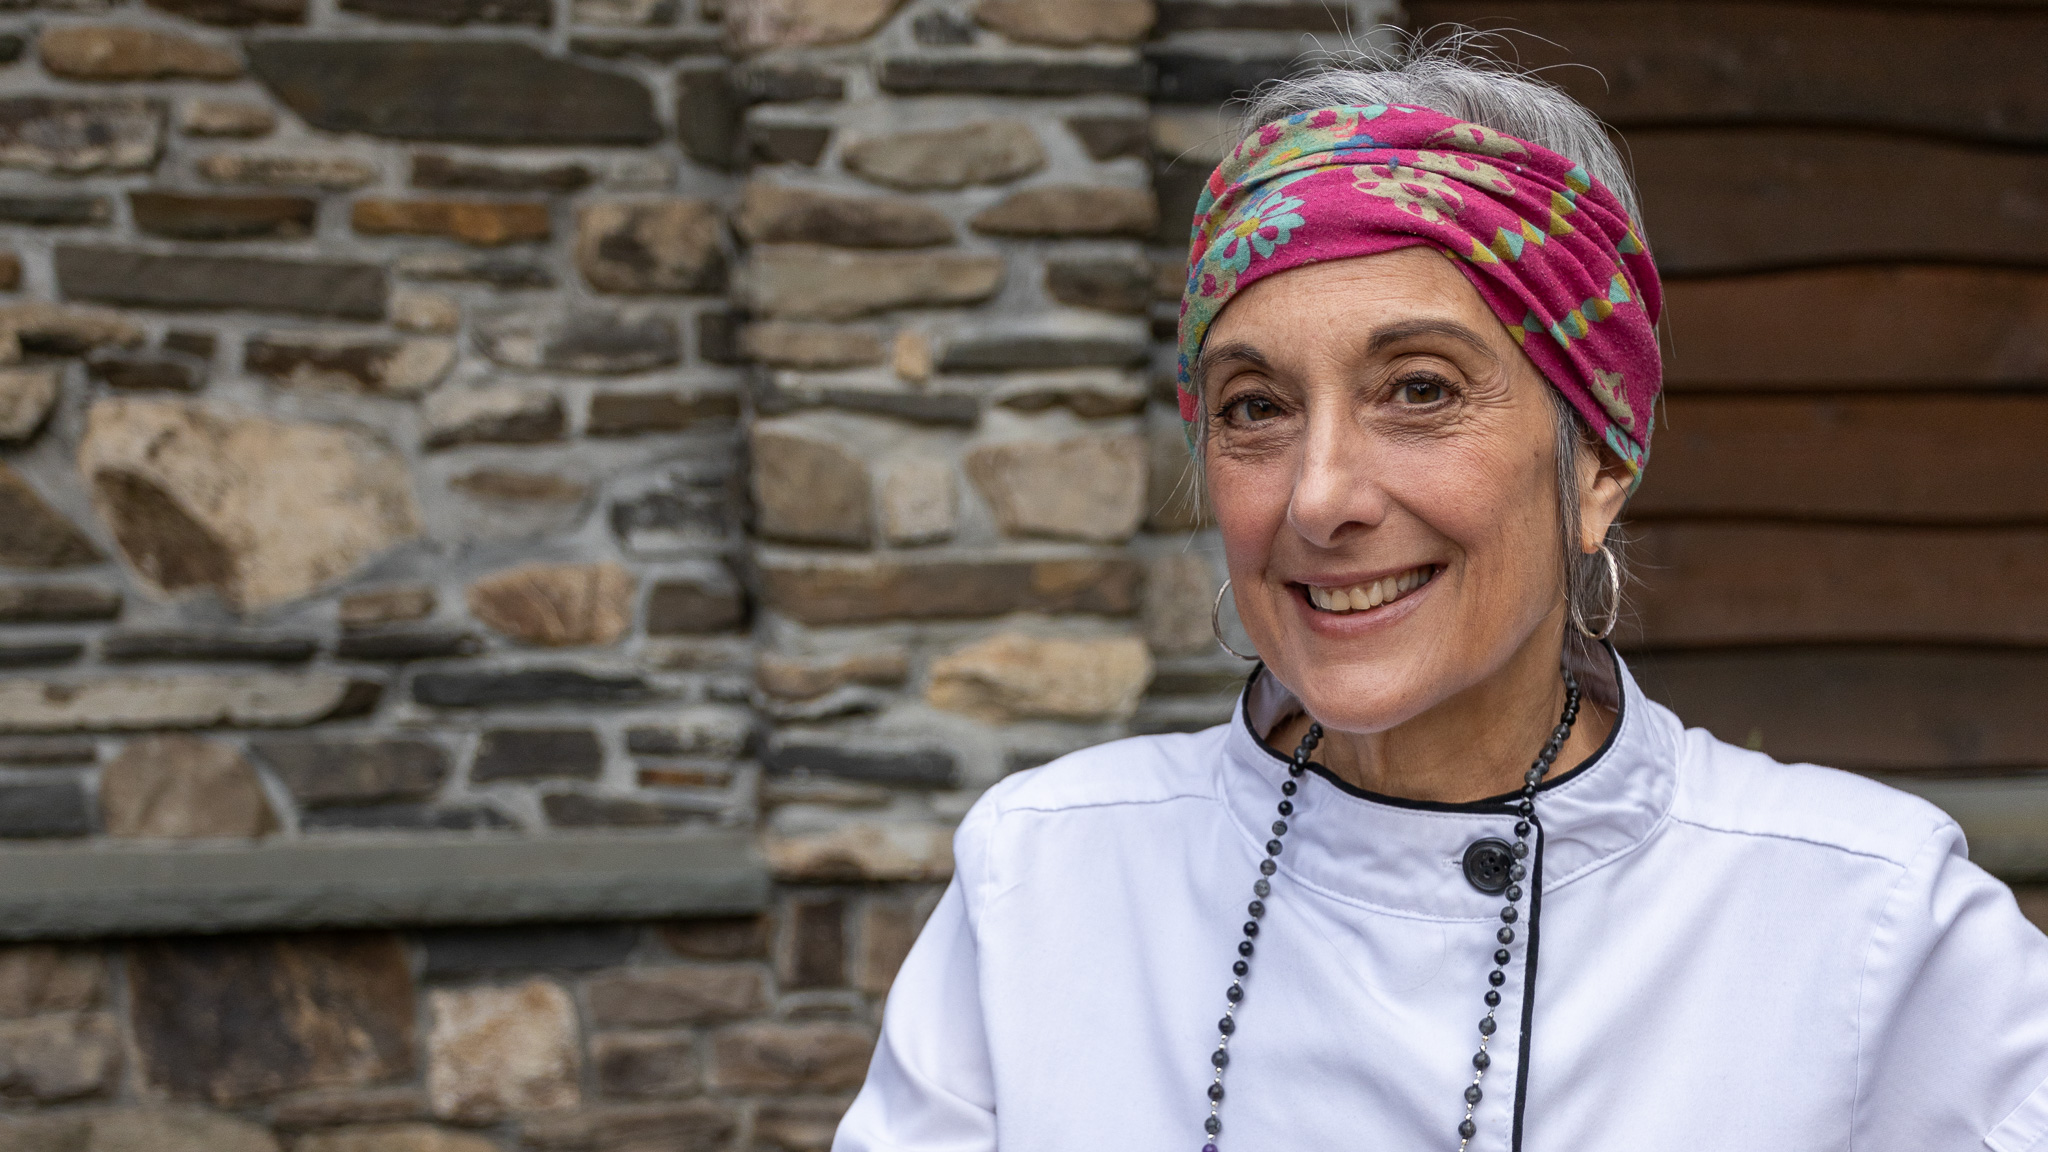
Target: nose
[1336,491]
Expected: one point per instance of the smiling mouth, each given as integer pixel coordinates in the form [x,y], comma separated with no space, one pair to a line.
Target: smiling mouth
[1373,594]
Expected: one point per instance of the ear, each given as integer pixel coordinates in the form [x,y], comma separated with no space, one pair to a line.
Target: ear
[1603,488]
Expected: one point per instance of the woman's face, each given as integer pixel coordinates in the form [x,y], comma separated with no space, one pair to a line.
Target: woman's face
[1381,462]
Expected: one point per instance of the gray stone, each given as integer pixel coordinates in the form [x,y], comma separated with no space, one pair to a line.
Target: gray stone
[942,29]
[333,361]
[920,502]
[35,535]
[774,142]
[27,393]
[331,1108]
[122,52]
[708,112]
[344,289]
[162,370]
[40,978]
[1179,588]
[577,810]
[190,700]
[1173,487]
[913,767]
[236,13]
[664,246]
[43,811]
[389,605]
[624,13]
[55,211]
[182,788]
[1054,210]
[532,13]
[676,997]
[393,1138]
[1084,488]
[773,214]
[1191,75]
[512,486]
[689,1126]
[645,1067]
[52,1058]
[664,48]
[72,136]
[1010,351]
[226,118]
[644,413]
[415,311]
[484,92]
[496,1052]
[595,340]
[802,282]
[44,751]
[403,818]
[1089,395]
[705,602]
[403,644]
[705,730]
[821,590]
[789,344]
[1110,137]
[250,647]
[498,415]
[38,655]
[479,951]
[818,1057]
[484,689]
[678,517]
[283,170]
[479,268]
[785,83]
[440,170]
[325,772]
[999,76]
[188,216]
[192,342]
[1108,284]
[779,394]
[808,488]
[992,152]
[761,25]
[57,603]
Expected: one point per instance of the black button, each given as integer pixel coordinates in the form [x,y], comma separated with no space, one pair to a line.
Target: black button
[1487,862]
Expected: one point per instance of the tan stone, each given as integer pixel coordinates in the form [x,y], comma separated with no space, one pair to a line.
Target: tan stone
[332,1108]
[496,415]
[622,13]
[659,246]
[336,173]
[911,357]
[26,396]
[414,310]
[189,700]
[808,488]
[121,52]
[258,510]
[180,787]
[788,344]
[1179,588]
[857,852]
[1090,395]
[646,1067]
[865,588]
[47,1132]
[920,501]
[887,930]
[519,487]
[1068,23]
[1084,488]
[485,223]
[668,997]
[1071,210]
[776,214]
[65,328]
[393,1138]
[796,1125]
[687,1126]
[206,116]
[559,605]
[809,283]
[392,605]
[819,1057]
[33,534]
[498,1051]
[49,1058]
[1012,676]
[804,677]
[176,1130]
[345,362]
[991,152]
[759,25]
[49,978]
[1198,136]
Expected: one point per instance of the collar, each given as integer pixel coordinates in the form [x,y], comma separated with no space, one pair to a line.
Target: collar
[1407,856]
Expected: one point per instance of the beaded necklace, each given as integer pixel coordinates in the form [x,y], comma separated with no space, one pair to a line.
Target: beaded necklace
[1490,872]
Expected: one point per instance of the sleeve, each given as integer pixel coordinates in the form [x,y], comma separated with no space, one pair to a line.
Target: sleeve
[930,1087]
[1953,1016]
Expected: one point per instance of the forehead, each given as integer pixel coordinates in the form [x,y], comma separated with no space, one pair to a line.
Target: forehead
[1349,298]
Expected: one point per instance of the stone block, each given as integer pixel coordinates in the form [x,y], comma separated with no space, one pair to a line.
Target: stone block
[662,48]
[393,1137]
[1106,284]
[45,810]
[674,997]
[508,92]
[27,393]
[393,604]
[330,1109]
[803,282]
[558,605]
[51,1058]
[493,269]
[708,113]
[1084,488]
[128,703]
[696,603]
[942,29]
[624,13]
[35,535]
[486,689]
[691,1126]
[1068,23]
[451,13]
[77,136]
[983,75]
[55,211]
[57,603]
[484,223]
[537,754]
[1089,395]
[498,1052]
[775,142]
[343,289]
[990,152]
[807,488]
[240,647]
[236,1019]
[512,486]
[475,951]
[821,590]
[774,214]
[198,344]
[910,767]
[416,311]
[1185,73]
[887,929]
[1179,589]
[339,362]
[725,938]
[67,330]
[602,341]
[664,246]
[33,655]
[788,344]
[257,510]
[125,52]
[402,817]
[797,1125]
[455,173]
[40,978]
[634,1067]
[1173,487]
[819,1057]
[162,370]
[761,25]
[236,13]
[704,730]
[183,788]
[920,501]
[323,772]
[642,413]
[813,953]
[802,677]
[492,415]
[238,119]
[1012,676]
[1110,137]
[10,270]
[282,170]
[1040,348]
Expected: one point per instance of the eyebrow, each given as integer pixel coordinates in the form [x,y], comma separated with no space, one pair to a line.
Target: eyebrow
[1394,334]
[1228,350]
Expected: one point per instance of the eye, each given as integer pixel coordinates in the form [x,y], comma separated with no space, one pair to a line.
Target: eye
[1253,409]
[1421,390]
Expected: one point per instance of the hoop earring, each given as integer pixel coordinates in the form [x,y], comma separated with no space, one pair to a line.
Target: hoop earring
[1216,623]
[1613,601]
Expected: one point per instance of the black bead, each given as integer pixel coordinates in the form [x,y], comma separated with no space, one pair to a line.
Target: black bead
[1508,915]
[1212,1125]
[1240,968]
[1467,1129]
[1521,827]
[1505,935]
[1525,809]
[1264,887]
[1215,1091]
[1295,769]
[1521,850]
[1472,1094]
[1272,847]
[1492,998]
[1560,732]
[1516,872]
[1257,908]
[1227,1025]
[1244,947]
[1514,892]
[1480,1060]
[1267,867]
[1279,827]
[1234,993]
[1289,787]
[1486,1026]
[1219,1058]
[1251,927]
[1501,958]
[1287,807]
[1496,977]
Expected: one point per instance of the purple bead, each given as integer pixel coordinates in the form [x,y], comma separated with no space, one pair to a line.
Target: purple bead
[1208,1148]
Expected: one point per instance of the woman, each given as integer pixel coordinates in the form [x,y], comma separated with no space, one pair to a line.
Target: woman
[1447,879]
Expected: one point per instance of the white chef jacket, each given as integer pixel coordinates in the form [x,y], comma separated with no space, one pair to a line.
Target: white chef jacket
[1729,954]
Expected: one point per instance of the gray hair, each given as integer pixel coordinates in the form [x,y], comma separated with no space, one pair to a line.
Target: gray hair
[1452,72]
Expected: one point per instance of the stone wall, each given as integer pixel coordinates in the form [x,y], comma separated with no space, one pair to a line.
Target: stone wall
[513,418]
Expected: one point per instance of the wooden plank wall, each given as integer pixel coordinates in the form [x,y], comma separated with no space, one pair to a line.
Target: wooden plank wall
[1843,539]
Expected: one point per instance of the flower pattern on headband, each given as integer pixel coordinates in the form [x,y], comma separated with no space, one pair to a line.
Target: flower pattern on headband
[1553,254]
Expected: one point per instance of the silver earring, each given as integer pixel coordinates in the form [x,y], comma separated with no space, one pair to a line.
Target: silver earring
[1216,623]
[1613,601]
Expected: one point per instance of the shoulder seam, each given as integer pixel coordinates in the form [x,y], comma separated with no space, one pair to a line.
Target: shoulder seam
[1829,844]
[1863,977]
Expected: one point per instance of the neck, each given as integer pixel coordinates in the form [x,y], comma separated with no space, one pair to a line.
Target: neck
[1470,746]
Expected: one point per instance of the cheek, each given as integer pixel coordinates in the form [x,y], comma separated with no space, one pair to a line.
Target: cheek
[1249,506]
[1500,509]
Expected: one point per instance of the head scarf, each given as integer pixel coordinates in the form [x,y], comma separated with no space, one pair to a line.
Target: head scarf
[1552,252]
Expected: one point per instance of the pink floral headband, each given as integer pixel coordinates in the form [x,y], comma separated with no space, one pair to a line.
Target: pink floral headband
[1551,252]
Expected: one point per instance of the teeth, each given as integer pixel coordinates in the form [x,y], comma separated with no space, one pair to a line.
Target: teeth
[1364,597]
